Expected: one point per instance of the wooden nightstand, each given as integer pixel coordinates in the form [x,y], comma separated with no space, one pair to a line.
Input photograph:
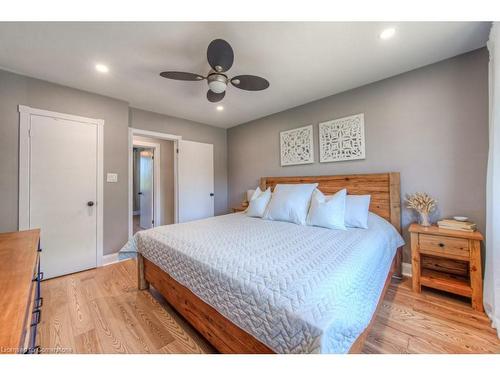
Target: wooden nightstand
[448,260]
[239,209]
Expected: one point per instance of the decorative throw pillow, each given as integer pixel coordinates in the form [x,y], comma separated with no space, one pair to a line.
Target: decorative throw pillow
[290,202]
[327,212]
[258,203]
[356,211]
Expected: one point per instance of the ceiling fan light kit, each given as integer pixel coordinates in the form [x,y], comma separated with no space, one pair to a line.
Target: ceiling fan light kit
[217,82]
[220,57]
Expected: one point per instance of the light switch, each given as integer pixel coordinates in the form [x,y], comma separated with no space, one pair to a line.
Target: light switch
[112,177]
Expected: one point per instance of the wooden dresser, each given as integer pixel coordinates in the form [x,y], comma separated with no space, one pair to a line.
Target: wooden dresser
[20,298]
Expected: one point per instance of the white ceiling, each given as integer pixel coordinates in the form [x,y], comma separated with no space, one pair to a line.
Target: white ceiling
[302,61]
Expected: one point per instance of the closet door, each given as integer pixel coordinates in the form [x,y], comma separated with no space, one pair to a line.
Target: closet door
[195,180]
[63,193]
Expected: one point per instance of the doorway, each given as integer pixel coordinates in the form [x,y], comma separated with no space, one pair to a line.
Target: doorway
[153,182]
[191,181]
[144,188]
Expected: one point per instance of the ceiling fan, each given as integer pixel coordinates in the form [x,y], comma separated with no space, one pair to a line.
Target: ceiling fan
[220,56]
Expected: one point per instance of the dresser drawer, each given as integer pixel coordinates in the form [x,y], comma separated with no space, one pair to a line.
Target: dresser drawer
[444,246]
[33,314]
[20,297]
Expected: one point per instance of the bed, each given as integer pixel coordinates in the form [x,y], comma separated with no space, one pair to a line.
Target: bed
[250,285]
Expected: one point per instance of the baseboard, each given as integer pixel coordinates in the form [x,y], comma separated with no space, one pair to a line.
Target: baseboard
[110,259]
[406,269]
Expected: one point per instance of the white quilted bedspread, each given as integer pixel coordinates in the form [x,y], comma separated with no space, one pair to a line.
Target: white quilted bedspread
[298,289]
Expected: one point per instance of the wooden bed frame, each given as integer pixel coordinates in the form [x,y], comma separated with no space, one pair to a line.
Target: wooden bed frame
[224,335]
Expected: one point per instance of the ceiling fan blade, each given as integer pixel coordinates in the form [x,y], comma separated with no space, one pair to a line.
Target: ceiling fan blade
[250,83]
[213,97]
[220,55]
[182,76]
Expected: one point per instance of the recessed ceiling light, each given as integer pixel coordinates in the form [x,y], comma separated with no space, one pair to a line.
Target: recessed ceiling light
[101,68]
[387,33]
[220,108]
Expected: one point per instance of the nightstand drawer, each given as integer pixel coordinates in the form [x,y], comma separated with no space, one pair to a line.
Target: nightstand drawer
[451,246]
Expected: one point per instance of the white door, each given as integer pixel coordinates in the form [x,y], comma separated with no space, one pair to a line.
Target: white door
[195,180]
[63,193]
[146,189]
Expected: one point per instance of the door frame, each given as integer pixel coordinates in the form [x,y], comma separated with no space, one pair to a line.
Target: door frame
[25,113]
[151,134]
[156,176]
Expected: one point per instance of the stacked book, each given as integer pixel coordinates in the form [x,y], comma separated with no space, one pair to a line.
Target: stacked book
[465,226]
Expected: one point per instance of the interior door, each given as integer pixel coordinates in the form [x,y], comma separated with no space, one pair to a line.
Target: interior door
[195,180]
[63,193]
[146,189]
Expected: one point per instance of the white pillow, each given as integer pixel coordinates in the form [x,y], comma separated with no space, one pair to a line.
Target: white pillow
[258,203]
[327,212]
[250,193]
[356,211]
[290,202]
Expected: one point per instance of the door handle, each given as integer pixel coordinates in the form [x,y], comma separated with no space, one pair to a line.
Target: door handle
[139,193]
[90,203]
[211,194]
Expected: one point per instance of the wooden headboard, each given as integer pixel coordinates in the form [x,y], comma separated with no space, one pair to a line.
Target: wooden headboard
[384,189]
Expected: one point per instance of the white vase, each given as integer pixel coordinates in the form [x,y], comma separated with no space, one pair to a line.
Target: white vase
[424,219]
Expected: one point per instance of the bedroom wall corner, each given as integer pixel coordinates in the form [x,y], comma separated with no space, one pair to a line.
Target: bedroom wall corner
[429,124]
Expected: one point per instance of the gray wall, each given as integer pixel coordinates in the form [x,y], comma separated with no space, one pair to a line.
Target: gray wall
[430,124]
[17,89]
[191,131]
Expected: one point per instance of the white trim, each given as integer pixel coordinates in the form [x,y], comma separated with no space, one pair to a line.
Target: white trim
[100,191]
[130,183]
[157,135]
[24,168]
[406,268]
[42,112]
[153,134]
[157,201]
[111,259]
[176,181]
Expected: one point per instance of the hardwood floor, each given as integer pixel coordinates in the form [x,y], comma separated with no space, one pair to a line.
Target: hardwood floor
[101,311]
[430,322]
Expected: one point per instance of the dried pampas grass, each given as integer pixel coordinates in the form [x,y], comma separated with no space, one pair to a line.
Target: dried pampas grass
[421,202]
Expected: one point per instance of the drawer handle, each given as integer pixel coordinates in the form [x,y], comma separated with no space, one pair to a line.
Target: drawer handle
[38,317]
[34,350]
[38,277]
[39,302]
[441,244]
